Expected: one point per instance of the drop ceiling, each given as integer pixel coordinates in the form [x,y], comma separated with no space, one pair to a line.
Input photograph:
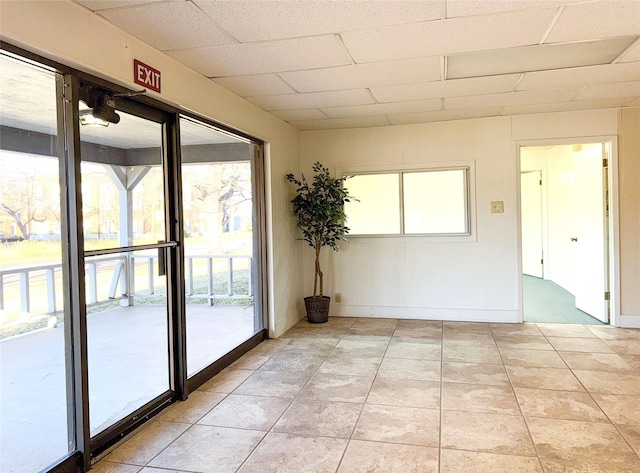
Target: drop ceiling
[343,64]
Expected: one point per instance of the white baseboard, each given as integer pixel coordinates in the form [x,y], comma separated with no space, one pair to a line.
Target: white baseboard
[425,313]
[629,321]
[285,324]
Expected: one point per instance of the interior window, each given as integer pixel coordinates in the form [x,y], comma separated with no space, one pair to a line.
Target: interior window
[421,202]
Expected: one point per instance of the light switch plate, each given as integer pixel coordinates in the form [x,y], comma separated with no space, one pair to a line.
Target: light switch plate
[497,206]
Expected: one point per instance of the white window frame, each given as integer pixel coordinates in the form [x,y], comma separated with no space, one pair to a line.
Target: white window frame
[400,170]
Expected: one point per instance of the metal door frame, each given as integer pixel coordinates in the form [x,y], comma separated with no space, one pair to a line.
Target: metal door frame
[85,448]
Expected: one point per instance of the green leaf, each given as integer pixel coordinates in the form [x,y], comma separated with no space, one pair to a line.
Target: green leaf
[319,209]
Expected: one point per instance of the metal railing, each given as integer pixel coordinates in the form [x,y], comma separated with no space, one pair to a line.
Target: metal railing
[121,269]
[210,295]
[23,277]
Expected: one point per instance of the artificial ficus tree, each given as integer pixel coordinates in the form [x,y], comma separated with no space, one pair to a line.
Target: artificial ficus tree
[319,208]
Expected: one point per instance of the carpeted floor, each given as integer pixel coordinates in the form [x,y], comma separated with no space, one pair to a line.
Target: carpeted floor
[545,301]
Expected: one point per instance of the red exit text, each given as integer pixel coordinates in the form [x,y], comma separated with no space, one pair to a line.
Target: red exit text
[146,75]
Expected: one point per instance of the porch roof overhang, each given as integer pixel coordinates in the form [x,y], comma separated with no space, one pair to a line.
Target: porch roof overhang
[43,144]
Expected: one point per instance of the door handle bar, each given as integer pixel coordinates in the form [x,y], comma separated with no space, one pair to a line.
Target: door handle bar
[162,264]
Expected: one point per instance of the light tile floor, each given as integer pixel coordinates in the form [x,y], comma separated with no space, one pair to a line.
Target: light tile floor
[404,396]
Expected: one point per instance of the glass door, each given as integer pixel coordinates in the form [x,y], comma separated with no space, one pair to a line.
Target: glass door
[126,245]
[219,242]
[129,265]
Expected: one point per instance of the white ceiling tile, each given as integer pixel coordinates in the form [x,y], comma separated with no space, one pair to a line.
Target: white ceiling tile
[383,108]
[597,20]
[536,58]
[611,90]
[620,72]
[374,74]
[302,114]
[633,54]
[336,123]
[456,8]
[261,58]
[512,98]
[312,100]
[262,84]
[445,115]
[296,58]
[268,20]
[96,5]
[448,88]
[458,35]
[564,107]
[156,25]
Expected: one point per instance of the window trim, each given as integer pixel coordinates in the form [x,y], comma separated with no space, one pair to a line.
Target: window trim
[401,170]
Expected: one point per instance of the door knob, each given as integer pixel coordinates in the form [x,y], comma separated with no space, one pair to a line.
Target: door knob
[574,238]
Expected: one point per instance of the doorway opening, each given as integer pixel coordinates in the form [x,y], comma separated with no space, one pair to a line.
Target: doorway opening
[565,232]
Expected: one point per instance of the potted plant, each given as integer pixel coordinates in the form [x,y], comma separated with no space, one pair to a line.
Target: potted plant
[319,208]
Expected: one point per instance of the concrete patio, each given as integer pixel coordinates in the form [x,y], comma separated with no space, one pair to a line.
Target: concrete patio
[128,366]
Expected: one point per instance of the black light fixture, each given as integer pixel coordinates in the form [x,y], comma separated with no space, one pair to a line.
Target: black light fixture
[102,107]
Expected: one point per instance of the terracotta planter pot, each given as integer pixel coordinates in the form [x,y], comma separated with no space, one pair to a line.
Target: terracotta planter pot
[317,309]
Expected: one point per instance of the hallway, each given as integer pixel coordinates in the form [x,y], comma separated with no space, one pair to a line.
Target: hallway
[545,301]
[386,395]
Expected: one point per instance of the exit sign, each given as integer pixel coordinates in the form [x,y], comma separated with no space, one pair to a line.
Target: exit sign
[146,75]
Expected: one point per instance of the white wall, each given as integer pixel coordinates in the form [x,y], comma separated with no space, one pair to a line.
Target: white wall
[74,36]
[470,280]
[629,204]
[455,278]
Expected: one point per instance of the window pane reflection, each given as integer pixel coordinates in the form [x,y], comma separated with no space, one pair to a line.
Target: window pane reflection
[377,208]
[435,202]
[33,384]
[218,226]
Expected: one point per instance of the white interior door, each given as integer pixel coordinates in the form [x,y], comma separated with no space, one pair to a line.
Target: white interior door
[590,235]
[531,211]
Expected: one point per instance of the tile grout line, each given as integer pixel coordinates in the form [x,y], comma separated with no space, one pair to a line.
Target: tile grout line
[293,400]
[375,376]
[524,419]
[590,394]
[617,429]
[342,332]
[226,395]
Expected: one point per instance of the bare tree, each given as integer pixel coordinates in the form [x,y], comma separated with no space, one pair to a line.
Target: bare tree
[229,184]
[18,197]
